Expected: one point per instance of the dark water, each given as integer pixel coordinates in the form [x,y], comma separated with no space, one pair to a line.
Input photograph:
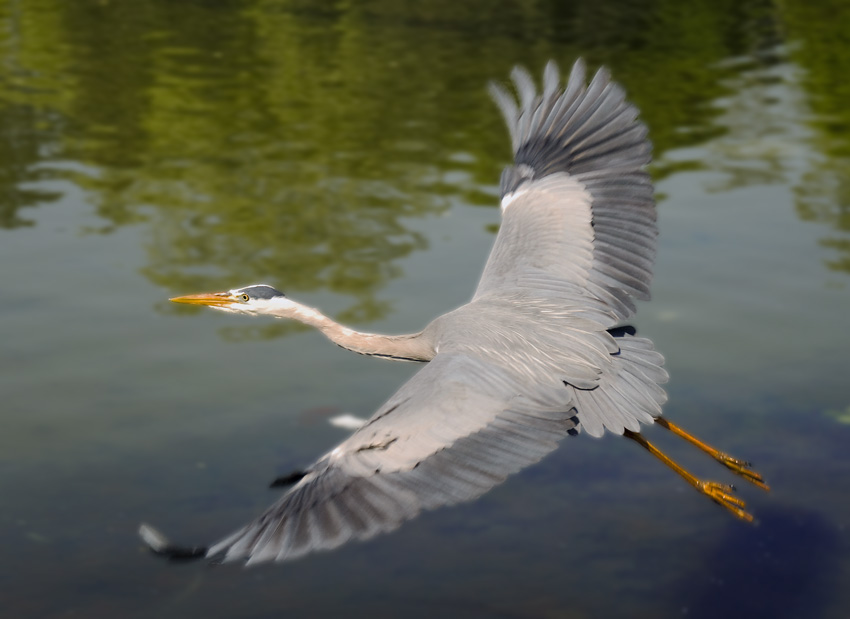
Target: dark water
[348,154]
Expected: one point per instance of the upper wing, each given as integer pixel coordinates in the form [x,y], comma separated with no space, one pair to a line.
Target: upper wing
[578,213]
[455,430]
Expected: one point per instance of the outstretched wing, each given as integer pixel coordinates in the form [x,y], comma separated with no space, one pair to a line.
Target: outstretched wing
[456,429]
[578,213]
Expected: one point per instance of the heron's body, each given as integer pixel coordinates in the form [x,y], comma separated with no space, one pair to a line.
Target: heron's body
[541,351]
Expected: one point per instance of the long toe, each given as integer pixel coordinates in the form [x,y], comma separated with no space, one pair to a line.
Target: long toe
[722,495]
[744,469]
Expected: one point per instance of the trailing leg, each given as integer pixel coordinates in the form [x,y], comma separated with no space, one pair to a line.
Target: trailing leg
[719,493]
[739,467]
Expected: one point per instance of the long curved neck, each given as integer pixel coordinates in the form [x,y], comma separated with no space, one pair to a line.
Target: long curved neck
[412,347]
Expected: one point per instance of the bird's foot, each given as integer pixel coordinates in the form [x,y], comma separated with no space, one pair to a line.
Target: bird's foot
[742,468]
[722,495]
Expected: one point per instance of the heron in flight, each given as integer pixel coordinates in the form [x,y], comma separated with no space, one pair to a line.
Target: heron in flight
[542,350]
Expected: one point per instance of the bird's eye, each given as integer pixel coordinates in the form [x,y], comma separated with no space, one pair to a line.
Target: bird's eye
[245,298]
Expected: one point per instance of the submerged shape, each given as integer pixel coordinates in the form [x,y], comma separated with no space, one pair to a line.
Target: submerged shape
[538,353]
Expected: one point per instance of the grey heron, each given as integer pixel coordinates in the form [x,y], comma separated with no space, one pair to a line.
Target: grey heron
[543,349]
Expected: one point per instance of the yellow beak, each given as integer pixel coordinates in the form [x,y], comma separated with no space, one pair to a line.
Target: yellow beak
[207,298]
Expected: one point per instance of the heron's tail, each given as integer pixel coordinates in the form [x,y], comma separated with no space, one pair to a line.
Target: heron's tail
[629,395]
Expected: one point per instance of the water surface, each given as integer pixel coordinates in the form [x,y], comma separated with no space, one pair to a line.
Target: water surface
[349,155]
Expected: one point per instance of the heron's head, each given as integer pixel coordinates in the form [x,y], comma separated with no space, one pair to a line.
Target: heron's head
[256,299]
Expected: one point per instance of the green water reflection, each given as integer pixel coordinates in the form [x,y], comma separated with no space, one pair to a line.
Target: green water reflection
[348,152]
[236,130]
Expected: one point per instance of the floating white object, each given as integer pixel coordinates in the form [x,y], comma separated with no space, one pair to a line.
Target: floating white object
[347,421]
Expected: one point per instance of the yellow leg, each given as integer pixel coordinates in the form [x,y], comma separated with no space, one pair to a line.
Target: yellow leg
[719,493]
[739,467]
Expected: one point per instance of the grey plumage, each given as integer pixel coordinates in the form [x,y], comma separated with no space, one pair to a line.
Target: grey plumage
[455,430]
[589,143]
[536,354]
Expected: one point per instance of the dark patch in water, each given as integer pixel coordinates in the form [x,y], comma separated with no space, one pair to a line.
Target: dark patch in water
[786,566]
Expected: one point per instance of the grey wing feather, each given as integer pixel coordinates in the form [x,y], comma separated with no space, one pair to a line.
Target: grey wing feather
[456,429]
[629,393]
[579,166]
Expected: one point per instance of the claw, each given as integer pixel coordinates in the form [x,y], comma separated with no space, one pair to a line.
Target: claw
[721,494]
[742,468]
